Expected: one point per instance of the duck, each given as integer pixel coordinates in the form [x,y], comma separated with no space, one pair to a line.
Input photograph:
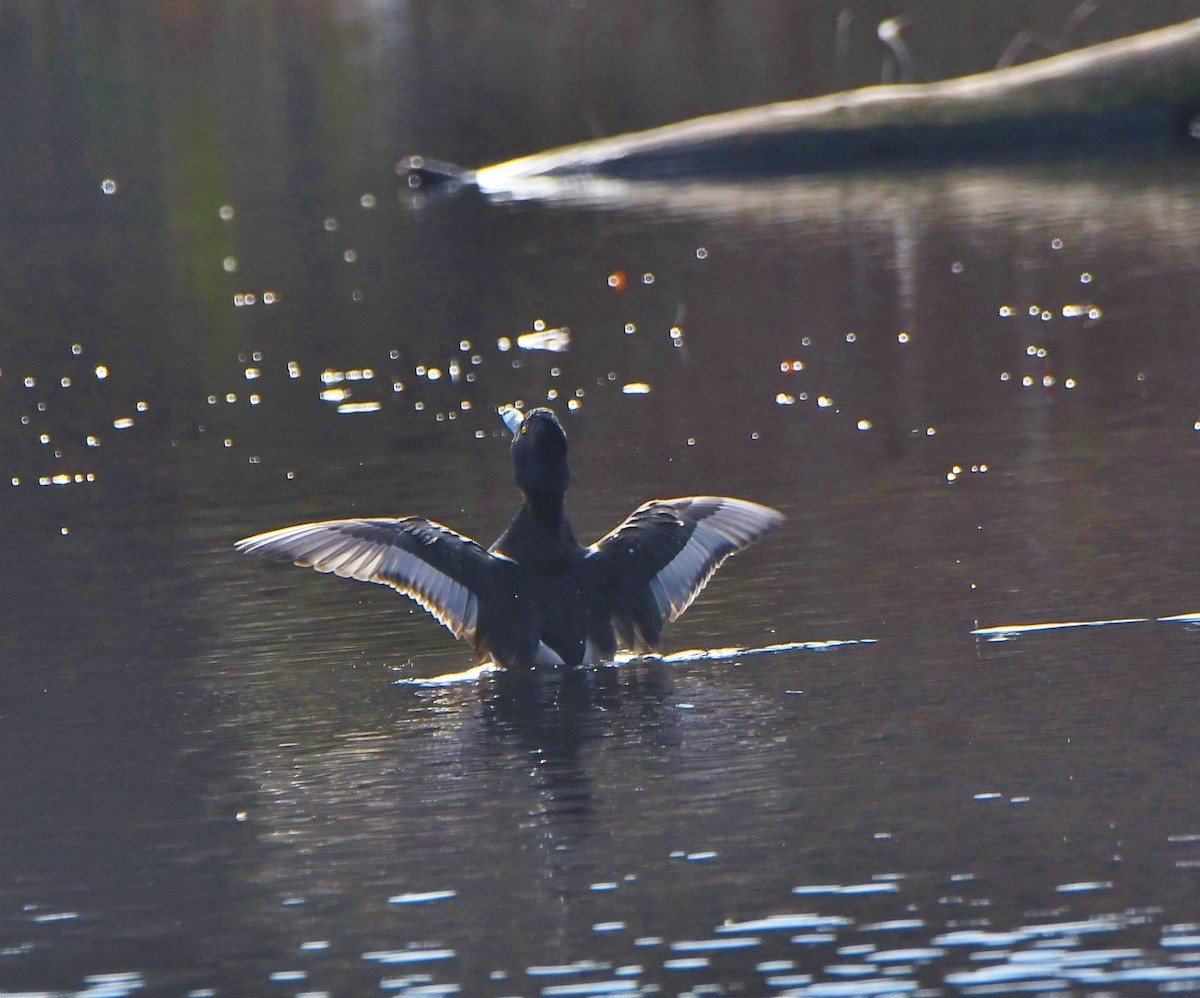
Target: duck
[537,598]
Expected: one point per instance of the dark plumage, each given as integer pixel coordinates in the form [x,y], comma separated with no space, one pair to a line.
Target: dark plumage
[538,597]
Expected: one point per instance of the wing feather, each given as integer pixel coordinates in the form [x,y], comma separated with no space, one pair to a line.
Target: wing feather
[655,563]
[443,571]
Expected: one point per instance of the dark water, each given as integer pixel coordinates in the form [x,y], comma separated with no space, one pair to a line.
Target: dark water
[974,394]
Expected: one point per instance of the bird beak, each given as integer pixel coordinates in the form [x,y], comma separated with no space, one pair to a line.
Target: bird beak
[513,418]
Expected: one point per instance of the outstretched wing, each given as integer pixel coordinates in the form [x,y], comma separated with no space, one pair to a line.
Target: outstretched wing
[440,569]
[655,563]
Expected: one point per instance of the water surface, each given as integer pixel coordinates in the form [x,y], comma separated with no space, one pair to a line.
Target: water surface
[862,765]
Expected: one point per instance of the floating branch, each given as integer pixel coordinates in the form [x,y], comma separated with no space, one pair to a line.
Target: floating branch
[1137,89]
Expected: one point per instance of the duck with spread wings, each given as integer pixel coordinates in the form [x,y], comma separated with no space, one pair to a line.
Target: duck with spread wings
[537,597]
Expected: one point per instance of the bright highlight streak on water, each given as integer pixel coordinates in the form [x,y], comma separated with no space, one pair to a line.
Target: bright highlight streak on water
[1005,629]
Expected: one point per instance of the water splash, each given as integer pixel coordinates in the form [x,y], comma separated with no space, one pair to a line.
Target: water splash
[452,678]
[724,654]
[625,658]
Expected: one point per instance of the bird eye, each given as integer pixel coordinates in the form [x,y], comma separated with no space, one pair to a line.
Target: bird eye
[524,427]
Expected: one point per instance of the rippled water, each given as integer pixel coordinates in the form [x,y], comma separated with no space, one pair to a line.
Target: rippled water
[935,736]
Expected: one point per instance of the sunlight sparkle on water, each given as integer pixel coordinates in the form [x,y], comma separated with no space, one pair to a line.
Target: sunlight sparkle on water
[556,340]
[56,916]
[409,955]
[915,954]
[686,963]
[703,945]
[850,889]
[613,987]
[422,897]
[786,922]
[566,969]
[858,989]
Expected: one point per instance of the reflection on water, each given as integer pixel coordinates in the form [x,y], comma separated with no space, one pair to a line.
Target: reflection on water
[972,392]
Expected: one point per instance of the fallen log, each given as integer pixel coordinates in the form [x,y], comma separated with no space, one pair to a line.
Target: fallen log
[1139,88]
